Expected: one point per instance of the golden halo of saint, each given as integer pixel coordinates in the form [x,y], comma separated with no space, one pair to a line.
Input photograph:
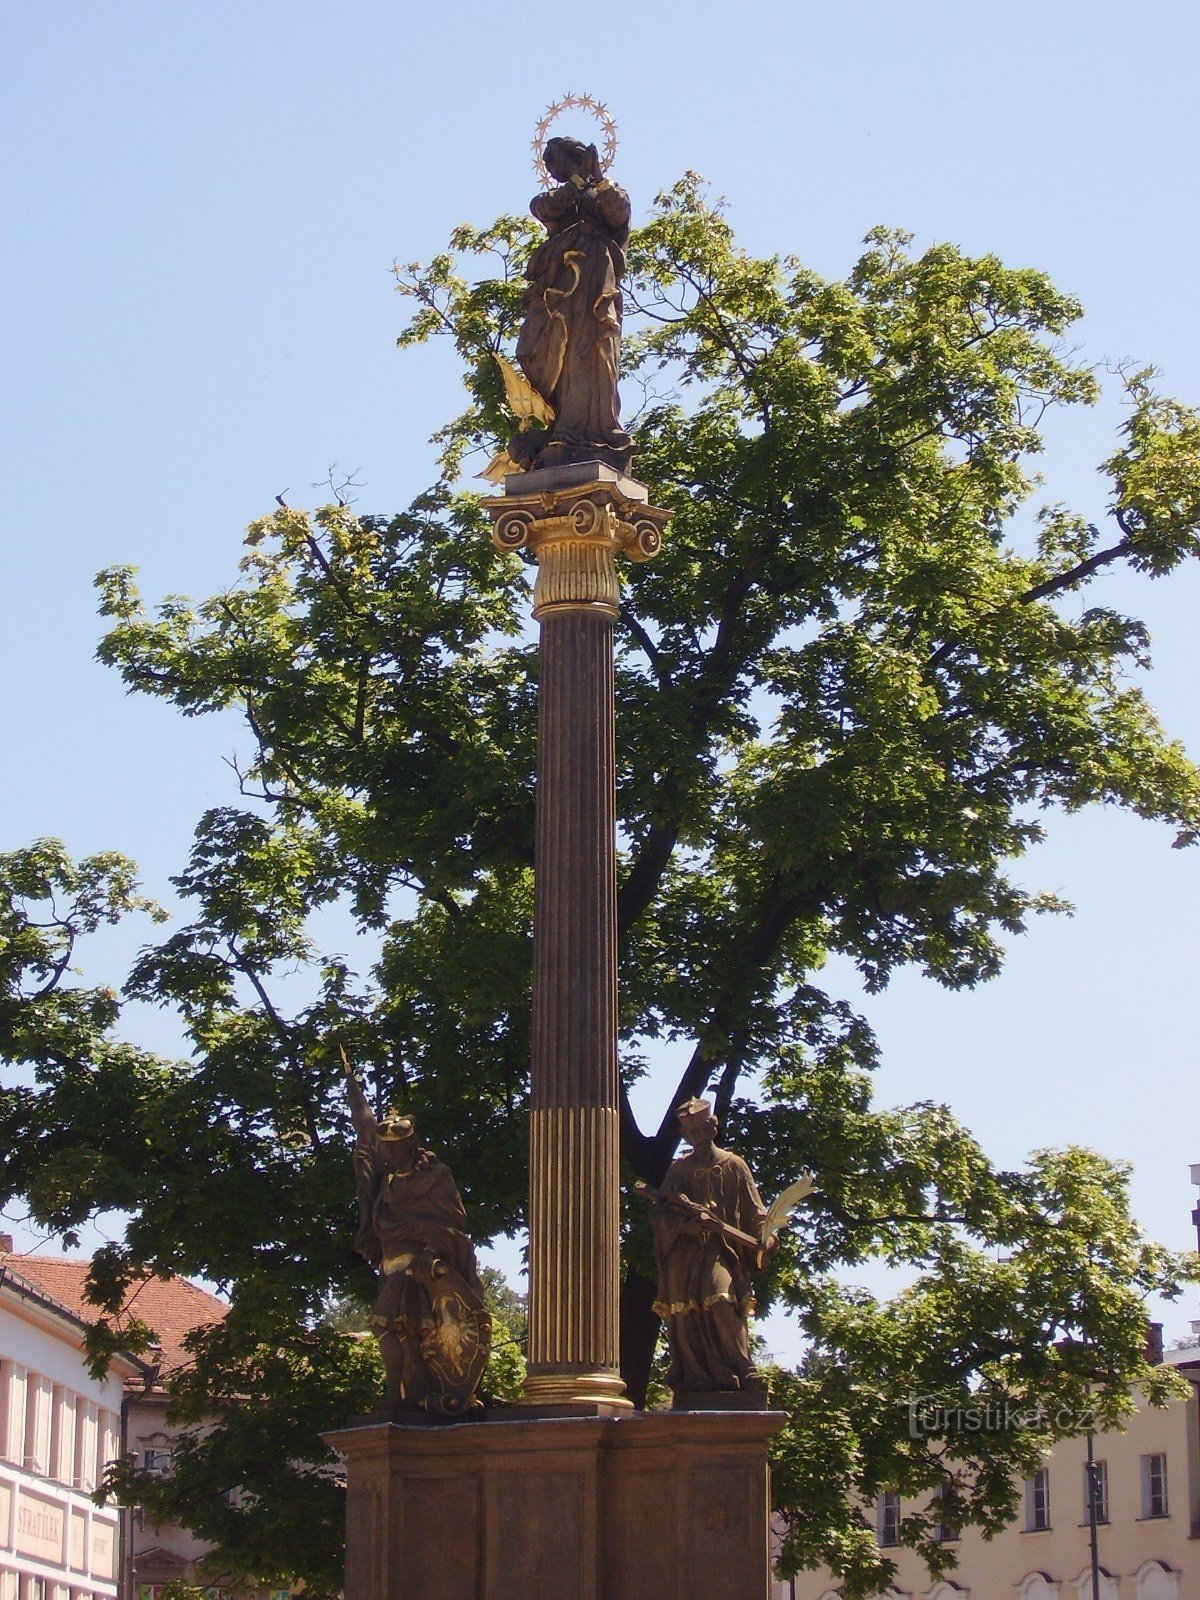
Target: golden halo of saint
[572,102]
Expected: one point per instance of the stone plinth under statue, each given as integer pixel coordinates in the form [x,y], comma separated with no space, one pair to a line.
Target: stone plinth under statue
[648,1506]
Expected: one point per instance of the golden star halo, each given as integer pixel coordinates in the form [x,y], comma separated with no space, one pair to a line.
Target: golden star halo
[572,102]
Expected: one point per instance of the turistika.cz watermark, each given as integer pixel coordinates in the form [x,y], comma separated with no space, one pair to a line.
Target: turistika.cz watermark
[929,1418]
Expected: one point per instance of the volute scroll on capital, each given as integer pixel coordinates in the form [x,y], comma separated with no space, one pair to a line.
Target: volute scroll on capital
[576,537]
[632,526]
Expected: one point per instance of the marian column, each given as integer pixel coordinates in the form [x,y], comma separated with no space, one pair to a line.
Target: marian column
[577,1493]
[576,519]
[569,500]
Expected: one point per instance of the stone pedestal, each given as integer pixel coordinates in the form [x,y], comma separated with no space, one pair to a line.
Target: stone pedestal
[576,519]
[646,1506]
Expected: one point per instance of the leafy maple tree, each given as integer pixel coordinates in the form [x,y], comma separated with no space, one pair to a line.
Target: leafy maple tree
[846,696]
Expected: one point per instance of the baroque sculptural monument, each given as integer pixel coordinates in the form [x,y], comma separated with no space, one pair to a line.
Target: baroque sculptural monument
[708,1237]
[569,346]
[429,1317]
[572,1492]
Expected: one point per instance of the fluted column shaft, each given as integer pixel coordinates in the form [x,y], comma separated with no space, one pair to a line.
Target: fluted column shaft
[574,1224]
[576,526]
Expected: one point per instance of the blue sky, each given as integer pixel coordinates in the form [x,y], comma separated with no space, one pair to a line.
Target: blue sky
[202,205]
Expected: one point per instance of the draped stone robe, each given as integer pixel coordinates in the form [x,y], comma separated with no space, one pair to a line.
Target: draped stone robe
[704,1292]
[570,341]
[402,1214]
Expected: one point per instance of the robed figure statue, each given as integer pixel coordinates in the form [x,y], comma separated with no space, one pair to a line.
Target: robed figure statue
[708,1235]
[570,341]
[429,1317]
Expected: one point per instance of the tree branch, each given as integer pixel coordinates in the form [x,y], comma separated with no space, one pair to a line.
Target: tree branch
[1040,591]
[59,967]
[645,873]
[360,703]
[265,751]
[335,583]
[780,908]
[651,651]
[284,1034]
[745,368]
[1076,574]
[720,667]
[636,1148]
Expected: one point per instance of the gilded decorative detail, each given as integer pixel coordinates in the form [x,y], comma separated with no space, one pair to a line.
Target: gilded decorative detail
[573,1267]
[575,1388]
[576,559]
[512,527]
[576,534]
[581,102]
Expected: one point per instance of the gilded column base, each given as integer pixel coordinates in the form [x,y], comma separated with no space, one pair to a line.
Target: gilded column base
[589,1390]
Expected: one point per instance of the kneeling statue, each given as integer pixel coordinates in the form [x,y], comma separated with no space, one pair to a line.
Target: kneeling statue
[429,1317]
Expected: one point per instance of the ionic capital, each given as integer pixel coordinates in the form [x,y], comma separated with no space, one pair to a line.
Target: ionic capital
[576,535]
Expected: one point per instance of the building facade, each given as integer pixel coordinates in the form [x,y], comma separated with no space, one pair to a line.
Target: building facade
[1148,1517]
[60,1427]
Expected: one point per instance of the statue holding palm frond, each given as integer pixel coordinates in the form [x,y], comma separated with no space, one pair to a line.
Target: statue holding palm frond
[711,1230]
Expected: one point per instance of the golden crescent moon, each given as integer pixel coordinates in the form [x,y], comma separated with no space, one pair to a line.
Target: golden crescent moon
[572,102]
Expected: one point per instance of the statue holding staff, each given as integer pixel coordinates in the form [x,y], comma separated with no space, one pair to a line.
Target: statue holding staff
[434,1333]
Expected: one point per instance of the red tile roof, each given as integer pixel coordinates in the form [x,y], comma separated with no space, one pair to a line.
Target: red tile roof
[172,1307]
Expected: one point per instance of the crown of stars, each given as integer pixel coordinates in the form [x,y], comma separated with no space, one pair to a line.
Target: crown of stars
[572,102]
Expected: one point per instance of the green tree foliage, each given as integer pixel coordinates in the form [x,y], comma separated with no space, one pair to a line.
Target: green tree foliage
[847,695]
[505,1372]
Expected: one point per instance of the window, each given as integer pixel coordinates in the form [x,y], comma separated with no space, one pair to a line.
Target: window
[62,1434]
[1037,1501]
[1100,1472]
[1154,1486]
[37,1424]
[12,1420]
[944,1532]
[85,1444]
[156,1461]
[889,1518]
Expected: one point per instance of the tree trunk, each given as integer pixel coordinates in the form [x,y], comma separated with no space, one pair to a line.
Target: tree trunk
[639,1334]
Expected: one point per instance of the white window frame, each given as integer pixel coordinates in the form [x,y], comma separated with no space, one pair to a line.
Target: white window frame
[943,1532]
[887,1508]
[1102,1516]
[1037,1502]
[1156,1498]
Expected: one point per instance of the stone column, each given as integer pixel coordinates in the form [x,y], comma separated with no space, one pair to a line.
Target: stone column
[575,519]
